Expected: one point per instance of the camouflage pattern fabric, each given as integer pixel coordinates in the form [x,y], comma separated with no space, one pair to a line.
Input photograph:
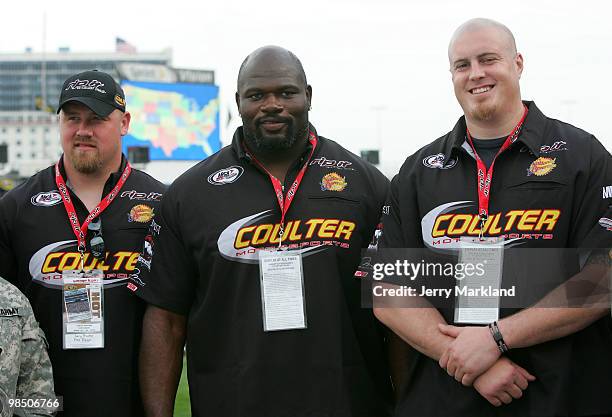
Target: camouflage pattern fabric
[25,369]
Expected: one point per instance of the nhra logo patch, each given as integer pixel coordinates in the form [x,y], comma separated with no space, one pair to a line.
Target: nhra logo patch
[226,175]
[606,223]
[437,162]
[46,199]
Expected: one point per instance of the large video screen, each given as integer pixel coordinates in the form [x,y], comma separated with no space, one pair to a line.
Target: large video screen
[176,121]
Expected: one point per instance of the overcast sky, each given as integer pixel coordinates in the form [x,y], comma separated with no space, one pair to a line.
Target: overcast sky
[378,68]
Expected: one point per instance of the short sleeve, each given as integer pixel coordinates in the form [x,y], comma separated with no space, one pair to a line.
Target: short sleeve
[165,274]
[595,201]
[400,220]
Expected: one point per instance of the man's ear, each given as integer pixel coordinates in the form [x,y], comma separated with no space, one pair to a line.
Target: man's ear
[238,101]
[125,123]
[309,96]
[518,61]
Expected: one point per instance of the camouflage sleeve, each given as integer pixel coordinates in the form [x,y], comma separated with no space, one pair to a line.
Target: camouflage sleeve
[36,376]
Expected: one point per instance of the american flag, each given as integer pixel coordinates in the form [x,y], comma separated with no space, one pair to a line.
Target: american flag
[121,45]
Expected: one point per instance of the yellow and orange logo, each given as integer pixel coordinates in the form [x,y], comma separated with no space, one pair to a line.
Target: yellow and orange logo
[521,220]
[295,231]
[119,100]
[541,166]
[333,182]
[56,262]
[141,213]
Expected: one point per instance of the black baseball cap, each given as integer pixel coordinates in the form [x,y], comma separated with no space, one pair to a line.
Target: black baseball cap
[95,89]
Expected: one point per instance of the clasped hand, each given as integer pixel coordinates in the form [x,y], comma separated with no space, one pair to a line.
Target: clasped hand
[473,358]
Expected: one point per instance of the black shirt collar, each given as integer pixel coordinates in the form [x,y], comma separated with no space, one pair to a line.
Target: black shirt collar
[532,133]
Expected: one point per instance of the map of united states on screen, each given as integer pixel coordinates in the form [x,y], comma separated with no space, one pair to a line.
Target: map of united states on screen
[177,121]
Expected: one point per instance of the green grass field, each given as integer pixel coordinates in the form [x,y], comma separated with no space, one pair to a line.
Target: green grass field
[182,407]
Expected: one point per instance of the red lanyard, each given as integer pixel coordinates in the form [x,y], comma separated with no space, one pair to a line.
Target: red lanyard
[485,177]
[80,230]
[285,202]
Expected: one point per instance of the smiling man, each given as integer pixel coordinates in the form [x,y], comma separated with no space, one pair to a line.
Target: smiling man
[546,192]
[252,262]
[82,214]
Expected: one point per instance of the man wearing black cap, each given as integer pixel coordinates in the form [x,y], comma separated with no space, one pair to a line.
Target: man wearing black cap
[73,229]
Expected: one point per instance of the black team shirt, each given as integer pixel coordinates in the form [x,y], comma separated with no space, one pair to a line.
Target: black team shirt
[37,243]
[213,220]
[550,189]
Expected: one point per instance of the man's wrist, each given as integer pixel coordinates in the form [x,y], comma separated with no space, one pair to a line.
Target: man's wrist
[498,338]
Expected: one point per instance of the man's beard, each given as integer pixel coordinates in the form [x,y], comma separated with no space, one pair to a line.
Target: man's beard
[258,140]
[484,112]
[85,162]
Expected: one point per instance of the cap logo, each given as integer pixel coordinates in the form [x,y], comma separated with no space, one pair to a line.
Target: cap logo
[119,100]
[86,85]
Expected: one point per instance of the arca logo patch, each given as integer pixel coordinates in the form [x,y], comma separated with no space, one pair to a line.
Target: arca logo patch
[226,175]
[46,199]
[437,162]
[606,223]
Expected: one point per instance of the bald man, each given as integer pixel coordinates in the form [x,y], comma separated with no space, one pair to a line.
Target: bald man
[251,260]
[506,174]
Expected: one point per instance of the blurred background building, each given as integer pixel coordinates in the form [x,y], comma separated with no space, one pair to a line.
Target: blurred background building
[161,98]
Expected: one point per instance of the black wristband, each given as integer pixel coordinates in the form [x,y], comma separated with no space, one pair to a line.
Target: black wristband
[498,338]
